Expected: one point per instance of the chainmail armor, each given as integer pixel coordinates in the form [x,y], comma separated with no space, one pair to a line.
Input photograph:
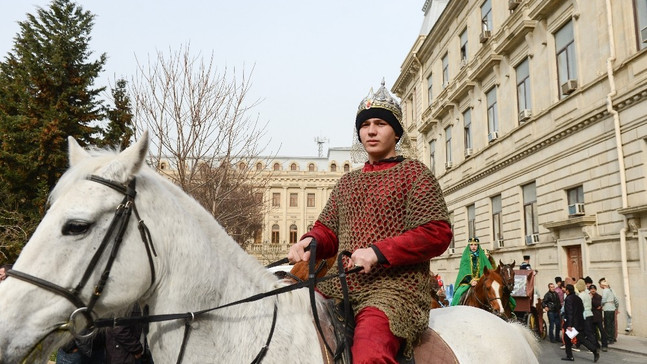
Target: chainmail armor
[366,207]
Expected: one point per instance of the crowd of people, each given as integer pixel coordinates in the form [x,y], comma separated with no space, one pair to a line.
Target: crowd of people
[579,315]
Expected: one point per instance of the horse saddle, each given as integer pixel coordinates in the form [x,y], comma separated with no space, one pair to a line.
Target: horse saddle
[432,349]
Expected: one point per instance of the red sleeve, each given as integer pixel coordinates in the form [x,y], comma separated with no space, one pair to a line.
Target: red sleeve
[416,245]
[327,242]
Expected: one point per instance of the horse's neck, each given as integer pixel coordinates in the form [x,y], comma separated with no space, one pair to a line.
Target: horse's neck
[202,267]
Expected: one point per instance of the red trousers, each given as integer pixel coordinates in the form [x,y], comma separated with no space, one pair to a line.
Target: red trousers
[373,342]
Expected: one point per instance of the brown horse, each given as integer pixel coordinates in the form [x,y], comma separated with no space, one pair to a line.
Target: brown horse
[488,293]
[438,297]
[507,274]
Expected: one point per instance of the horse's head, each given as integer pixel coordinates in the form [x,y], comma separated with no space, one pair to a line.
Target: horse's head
[60,269]
[490,288]
[507,273]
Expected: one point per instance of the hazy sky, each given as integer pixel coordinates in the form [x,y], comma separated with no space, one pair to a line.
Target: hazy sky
[313,60]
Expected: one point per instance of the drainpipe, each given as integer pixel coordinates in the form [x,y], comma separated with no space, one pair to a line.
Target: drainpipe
[621,163]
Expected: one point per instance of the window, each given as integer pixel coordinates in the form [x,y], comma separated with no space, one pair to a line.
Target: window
[467,129]
[294,198]
[258,236]
[346,167]
[432,154]
[486,15]
[471,221]
[311,167]
[497,230]
[242,166]
[276,167]
[523,85]
[333,167]
[464,45]
[276,199]
[531,221]
[293,234]
[430,87]
[310,200]
[258,197]
[259,166]
[448,145]
[565,50]
[293,167]
[275,234]
[492,120]
[575,195]
[641,21]
[445,70]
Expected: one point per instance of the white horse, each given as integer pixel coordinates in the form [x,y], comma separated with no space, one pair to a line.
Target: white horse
[197,266]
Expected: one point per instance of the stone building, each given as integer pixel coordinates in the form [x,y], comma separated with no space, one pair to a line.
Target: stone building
[532,115]
[296,191]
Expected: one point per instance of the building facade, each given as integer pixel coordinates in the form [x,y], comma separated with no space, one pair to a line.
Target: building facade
[297,189]
[532,115]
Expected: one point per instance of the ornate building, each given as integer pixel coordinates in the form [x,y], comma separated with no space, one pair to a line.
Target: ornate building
[296,192]
[532,115]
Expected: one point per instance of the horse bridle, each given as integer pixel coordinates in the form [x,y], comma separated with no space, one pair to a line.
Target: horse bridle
[117,228]
[486,305]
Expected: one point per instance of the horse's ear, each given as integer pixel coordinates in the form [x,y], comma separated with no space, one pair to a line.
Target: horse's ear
[75,151]
[513,262]
[133,157]
[500,262]
[485,270]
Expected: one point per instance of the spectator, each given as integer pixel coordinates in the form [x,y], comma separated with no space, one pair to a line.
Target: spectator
[573,319]
[584,295]
[610,305]
[596,304]
[552,307]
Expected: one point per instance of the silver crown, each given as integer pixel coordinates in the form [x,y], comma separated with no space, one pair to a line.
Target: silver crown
[381,99]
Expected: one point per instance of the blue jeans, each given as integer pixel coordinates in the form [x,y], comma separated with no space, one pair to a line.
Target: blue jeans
[554,325]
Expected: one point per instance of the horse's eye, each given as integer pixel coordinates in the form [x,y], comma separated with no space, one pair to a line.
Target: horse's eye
[75,227]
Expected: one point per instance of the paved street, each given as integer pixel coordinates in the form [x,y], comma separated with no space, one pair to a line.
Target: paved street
[552,354]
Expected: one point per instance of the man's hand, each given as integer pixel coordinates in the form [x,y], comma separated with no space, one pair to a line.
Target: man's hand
[366,258]
[297,251]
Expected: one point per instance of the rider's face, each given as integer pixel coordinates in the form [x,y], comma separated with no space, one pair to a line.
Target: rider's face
[474,247]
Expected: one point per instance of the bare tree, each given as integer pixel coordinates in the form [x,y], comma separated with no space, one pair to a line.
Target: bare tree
[203,137]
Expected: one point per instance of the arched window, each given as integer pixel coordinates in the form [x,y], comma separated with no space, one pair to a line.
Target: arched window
[311,167]
[276,166]
[293,167]
[259,166]
[241,166]
[333,167]
[275,234]
[163,166]
[346,167]
[293,234]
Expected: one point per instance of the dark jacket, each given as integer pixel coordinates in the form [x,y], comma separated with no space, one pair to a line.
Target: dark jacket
[551,300]
[596,307]
[574,312]
[123,342]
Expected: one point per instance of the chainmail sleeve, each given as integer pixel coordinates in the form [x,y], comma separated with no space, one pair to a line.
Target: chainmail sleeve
[366,207]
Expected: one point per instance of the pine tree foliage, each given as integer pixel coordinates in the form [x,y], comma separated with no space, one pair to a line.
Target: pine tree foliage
[46,94]
[120,129]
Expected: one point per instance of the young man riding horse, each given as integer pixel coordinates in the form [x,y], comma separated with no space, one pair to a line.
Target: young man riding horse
[392,217]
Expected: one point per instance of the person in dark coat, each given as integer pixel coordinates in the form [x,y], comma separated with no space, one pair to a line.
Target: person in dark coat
[123,343]
[596,303]
[574,319]
[552,306]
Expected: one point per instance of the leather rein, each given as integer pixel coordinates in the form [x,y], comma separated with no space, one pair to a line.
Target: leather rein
[117,229]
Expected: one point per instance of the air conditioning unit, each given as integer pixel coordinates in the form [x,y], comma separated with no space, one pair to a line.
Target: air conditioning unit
[463,62]
[468,152]
[524,115]
[532,239]
[576,209]
[643,34]
[499,243]
[485,35]
[451,250]
[492,136]
[448,165]
[568,87]
[512,4]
